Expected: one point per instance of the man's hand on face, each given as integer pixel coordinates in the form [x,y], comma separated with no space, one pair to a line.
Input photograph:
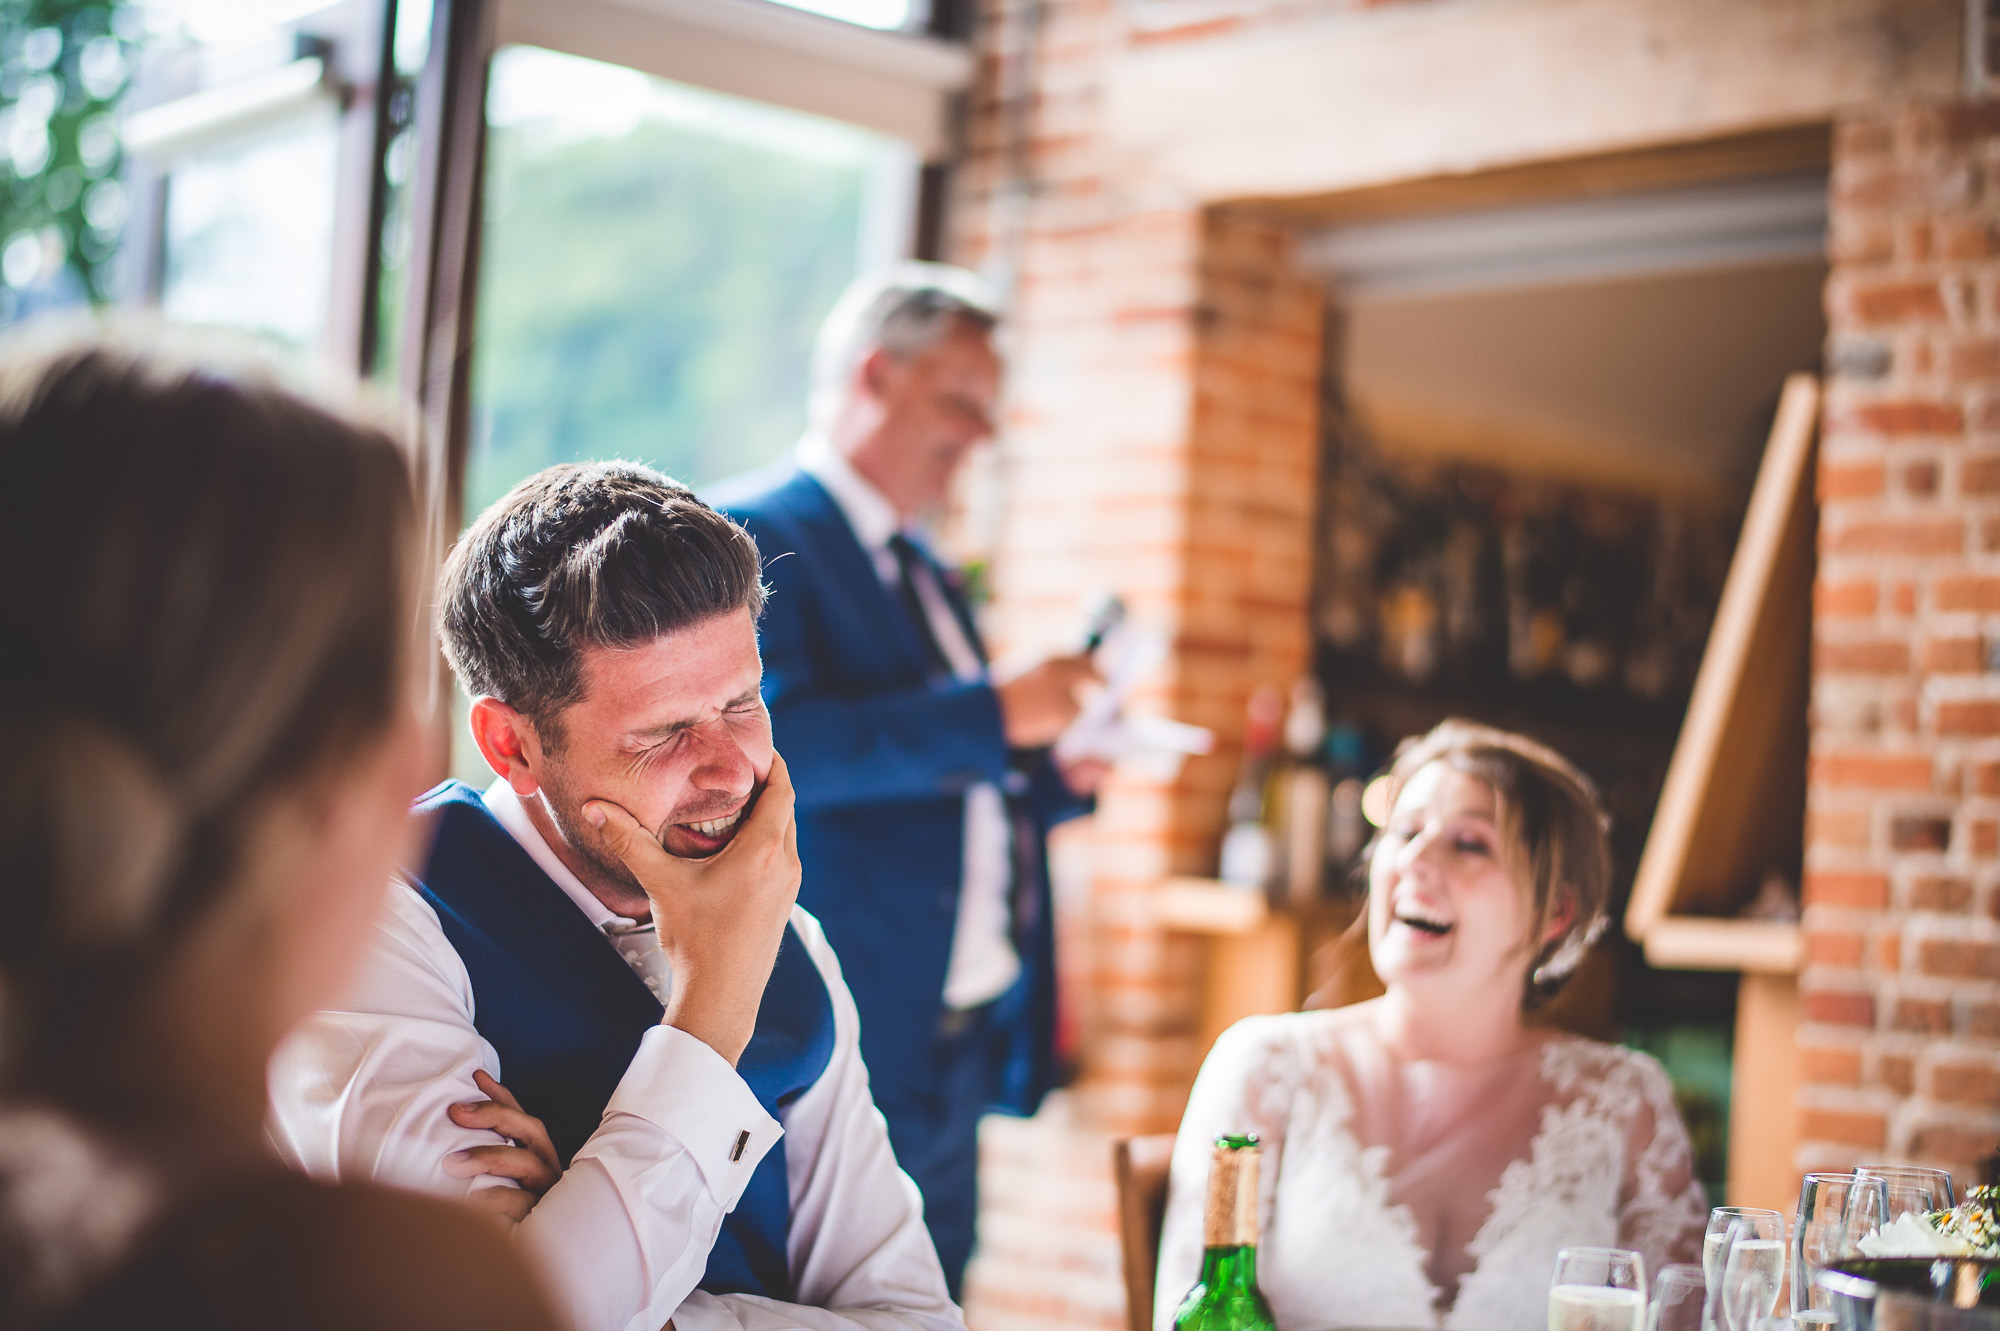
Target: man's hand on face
[719,919]
[1038,703]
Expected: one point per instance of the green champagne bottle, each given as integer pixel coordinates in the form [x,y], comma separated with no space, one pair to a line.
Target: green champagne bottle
[1226,1297]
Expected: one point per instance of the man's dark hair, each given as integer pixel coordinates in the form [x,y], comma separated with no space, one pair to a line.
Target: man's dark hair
[595,554]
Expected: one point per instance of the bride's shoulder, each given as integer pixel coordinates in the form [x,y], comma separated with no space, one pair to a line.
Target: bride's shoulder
[1296,1037]
[1576,1063]
[1263,1068]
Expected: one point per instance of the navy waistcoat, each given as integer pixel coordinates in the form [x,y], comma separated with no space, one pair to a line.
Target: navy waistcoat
[566,1014]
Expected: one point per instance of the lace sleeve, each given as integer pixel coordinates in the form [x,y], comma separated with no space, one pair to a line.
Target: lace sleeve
[1239,1090]
[1661,1207]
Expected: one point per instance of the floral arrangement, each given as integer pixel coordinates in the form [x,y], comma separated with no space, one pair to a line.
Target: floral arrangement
[1970,1229]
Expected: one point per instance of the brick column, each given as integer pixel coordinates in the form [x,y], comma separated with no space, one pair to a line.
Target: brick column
[1901,991]
[1160,441]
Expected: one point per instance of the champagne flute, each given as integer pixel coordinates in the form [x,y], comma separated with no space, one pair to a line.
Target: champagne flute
[1678,1299]
[1598,1289]
[1816,1242]
[1715,1246]
[1754,1269]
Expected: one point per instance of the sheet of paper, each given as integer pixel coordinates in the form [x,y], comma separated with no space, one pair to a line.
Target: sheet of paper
[1152,745]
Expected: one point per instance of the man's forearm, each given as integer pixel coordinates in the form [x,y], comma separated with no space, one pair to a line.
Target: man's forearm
[626,1233]
[601,1269]
[702,1311]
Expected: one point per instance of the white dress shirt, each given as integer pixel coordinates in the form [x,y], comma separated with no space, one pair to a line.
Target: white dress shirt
[360,1092]
[983,961]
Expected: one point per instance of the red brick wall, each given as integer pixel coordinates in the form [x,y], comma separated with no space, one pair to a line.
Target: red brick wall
[1160,440]
[1901,992]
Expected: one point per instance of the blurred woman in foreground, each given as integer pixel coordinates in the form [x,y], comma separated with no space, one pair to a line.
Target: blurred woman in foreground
[206,695]
[1426,1153]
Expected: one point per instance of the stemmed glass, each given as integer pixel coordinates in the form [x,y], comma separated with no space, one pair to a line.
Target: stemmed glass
[1754,1271]
[1881,1194]
[1743,1259]
[1598,1289]
[1678,1299]
[1928,1189]
[1818,1240]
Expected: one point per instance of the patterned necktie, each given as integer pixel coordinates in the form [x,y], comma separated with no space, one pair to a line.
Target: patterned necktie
[910,565]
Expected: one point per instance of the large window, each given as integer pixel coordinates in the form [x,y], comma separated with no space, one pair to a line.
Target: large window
[653,259]
[249,232]
[656,261]
[235,133]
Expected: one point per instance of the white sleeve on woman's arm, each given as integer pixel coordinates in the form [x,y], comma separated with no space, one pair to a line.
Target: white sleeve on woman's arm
[1221,1102]
[1662,1207]
[861,1259]
[623,1237]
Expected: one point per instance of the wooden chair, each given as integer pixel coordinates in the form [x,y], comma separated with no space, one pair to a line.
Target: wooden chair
[1140,1165]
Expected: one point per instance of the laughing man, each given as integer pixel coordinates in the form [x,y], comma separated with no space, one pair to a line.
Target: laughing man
[610,929]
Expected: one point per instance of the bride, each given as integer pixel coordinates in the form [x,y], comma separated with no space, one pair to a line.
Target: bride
[1426,1153]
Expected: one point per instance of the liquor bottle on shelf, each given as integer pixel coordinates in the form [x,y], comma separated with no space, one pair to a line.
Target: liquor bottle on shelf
[1249,850]
[1226,1297]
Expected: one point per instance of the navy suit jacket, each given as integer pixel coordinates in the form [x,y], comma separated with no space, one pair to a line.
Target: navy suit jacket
[881,749]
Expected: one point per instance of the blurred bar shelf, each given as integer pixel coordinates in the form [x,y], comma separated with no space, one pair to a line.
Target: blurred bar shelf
[1252,961]
[1207,906]
[1689,942]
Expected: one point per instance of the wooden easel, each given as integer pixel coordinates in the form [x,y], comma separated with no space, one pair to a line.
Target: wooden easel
[1733,804]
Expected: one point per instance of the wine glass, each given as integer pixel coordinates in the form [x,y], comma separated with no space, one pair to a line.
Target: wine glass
[1881,1194]
[1931,1187]
[1817,1240]
[1753,1270]
[1678,1298]
[1598,1289]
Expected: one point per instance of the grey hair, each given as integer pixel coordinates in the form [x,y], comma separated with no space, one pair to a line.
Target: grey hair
[904,310]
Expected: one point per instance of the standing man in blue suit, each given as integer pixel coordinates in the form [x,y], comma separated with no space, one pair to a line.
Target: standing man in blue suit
[925,785]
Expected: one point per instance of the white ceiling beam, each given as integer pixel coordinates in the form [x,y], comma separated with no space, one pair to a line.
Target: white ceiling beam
[1635,235]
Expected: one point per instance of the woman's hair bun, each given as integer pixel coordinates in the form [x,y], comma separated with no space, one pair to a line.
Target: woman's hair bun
[89,833]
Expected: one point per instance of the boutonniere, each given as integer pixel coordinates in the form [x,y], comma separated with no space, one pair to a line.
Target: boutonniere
[972,581]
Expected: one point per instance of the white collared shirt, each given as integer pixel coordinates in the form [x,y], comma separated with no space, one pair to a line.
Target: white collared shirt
[983,960]
[360,1092]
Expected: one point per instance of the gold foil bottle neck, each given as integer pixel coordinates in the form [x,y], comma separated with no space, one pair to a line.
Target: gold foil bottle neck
[1231,1218]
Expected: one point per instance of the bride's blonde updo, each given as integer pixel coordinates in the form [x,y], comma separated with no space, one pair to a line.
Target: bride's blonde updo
[208,604]
[1554,829]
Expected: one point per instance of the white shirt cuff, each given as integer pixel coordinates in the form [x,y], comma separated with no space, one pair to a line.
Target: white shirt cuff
[687,1090]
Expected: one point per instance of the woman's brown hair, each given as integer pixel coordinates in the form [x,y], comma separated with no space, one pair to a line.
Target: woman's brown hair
[1553,827]
[209,603]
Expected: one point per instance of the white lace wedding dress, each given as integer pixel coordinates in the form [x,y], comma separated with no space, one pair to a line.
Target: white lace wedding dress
[1415,1194]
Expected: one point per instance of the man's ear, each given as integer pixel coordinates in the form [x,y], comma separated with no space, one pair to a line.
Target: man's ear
[876,375]
[508,743]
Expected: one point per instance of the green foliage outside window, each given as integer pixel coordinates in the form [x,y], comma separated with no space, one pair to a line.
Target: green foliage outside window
[652,296]
[63,65]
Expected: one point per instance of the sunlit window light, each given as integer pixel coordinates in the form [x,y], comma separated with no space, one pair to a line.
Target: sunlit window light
[867,13]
